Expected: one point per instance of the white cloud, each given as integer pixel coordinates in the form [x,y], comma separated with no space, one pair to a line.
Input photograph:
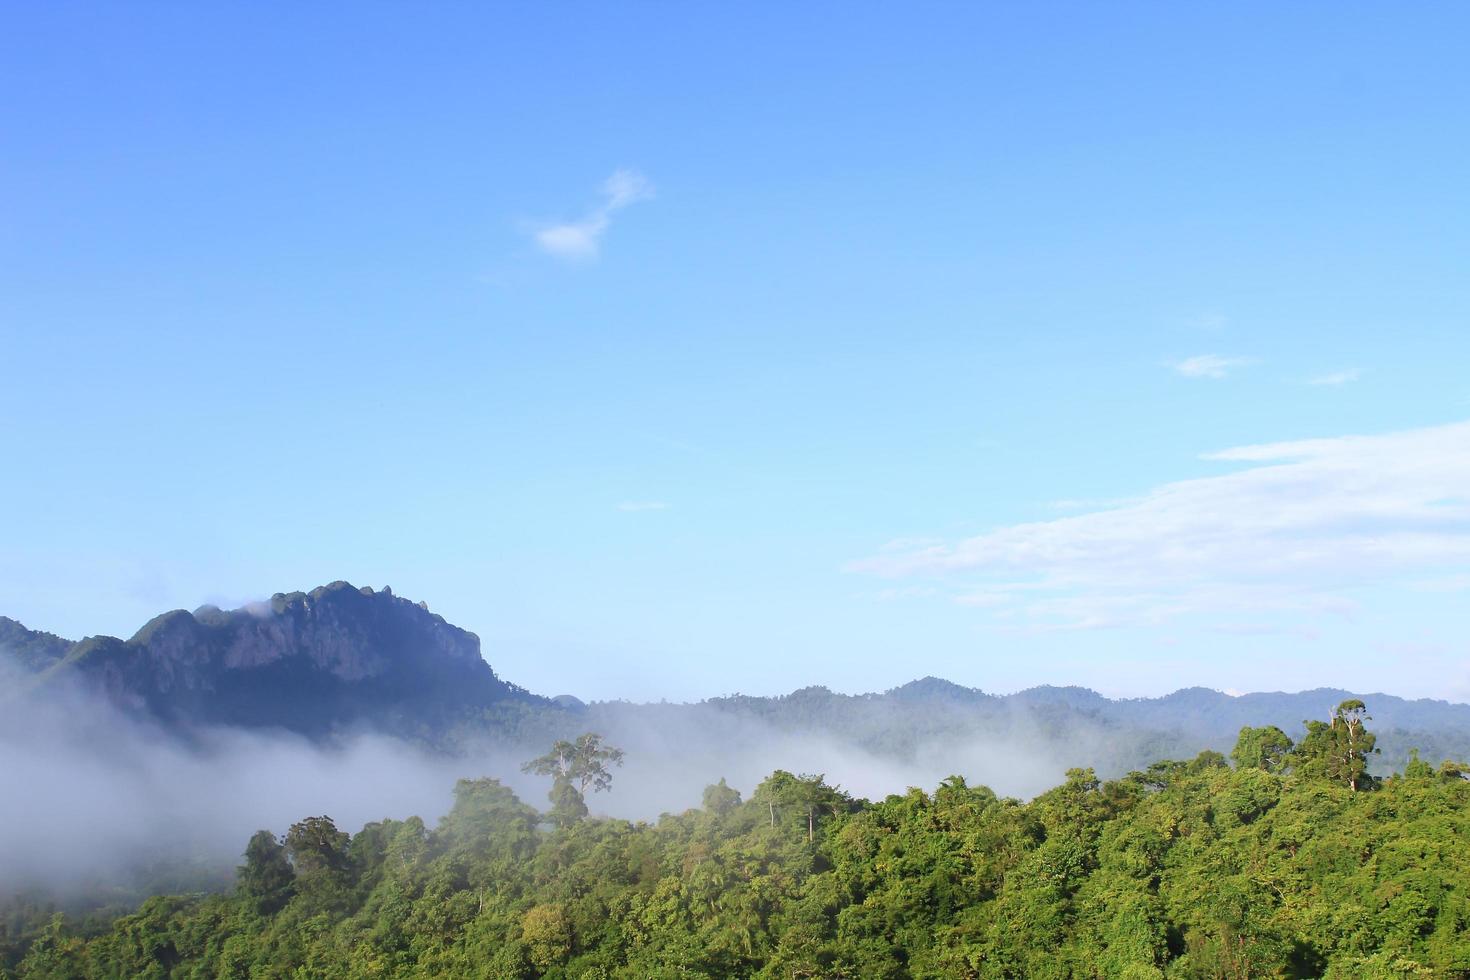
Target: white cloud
[1209,365]
[582,239]
[1336,377]
[1295,532]
[639,506]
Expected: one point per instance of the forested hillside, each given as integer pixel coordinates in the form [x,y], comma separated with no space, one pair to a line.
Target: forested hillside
[1287,860]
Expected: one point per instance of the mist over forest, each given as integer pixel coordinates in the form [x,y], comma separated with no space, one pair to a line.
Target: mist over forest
[105,795]
[98,794]
[158,756]
[923,832]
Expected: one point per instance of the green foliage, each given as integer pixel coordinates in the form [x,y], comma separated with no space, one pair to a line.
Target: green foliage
[574,767]
[720,798]
[1276,867]
[1338,749]
[323,868]
[266,879]
[547,935]
[1266,748]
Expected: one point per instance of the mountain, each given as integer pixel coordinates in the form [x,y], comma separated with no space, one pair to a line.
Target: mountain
[33,650]
[1076,725]
[335,658]
[1436,728]
[340,658]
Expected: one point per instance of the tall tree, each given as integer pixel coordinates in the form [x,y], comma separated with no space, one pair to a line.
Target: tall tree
[574,767]
[1338,749]
[803,799]
[318,852]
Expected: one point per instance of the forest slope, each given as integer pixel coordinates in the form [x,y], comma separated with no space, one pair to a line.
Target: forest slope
[1291,863]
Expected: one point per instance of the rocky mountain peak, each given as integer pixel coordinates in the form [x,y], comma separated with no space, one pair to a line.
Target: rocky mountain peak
[309,661]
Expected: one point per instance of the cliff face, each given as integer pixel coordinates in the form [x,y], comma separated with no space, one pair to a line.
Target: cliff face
[333,658]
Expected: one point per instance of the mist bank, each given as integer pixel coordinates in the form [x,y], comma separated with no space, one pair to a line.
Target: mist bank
[97,798]
[361,705]
[1290,863]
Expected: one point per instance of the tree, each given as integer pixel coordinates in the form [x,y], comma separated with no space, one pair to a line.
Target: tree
[53,953]
[318,852]
[266,878]
[1417,768]
[547,935]
[573,767]
[1338,749]
[486,818]
[1265,748]
[1451,769]
[805,799]
[720,798]
[1207,759]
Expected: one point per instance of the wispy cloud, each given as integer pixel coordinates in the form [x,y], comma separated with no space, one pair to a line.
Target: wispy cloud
[639,506]
[1336,377]
[1295,532]
[1209,365]
[582,239]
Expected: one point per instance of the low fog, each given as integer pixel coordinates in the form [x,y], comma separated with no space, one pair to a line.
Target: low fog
[673,755]
[91,795]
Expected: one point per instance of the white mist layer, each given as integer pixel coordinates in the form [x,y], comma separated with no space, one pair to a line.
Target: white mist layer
[88,794]
[668,766]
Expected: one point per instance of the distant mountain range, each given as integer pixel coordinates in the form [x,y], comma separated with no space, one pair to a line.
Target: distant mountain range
[1078,726]
[340,658]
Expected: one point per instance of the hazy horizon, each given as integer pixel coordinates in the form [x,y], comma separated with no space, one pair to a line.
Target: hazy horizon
[831,685]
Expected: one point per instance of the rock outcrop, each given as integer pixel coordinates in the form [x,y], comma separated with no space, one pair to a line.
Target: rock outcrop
[334,658]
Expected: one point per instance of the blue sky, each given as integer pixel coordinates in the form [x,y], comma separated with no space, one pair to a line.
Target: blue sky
[679,352]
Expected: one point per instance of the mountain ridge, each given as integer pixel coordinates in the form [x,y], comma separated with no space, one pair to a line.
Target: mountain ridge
[51,650]
[341,658]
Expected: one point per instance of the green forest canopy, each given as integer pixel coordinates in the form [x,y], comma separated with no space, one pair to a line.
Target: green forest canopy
[1292,862]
